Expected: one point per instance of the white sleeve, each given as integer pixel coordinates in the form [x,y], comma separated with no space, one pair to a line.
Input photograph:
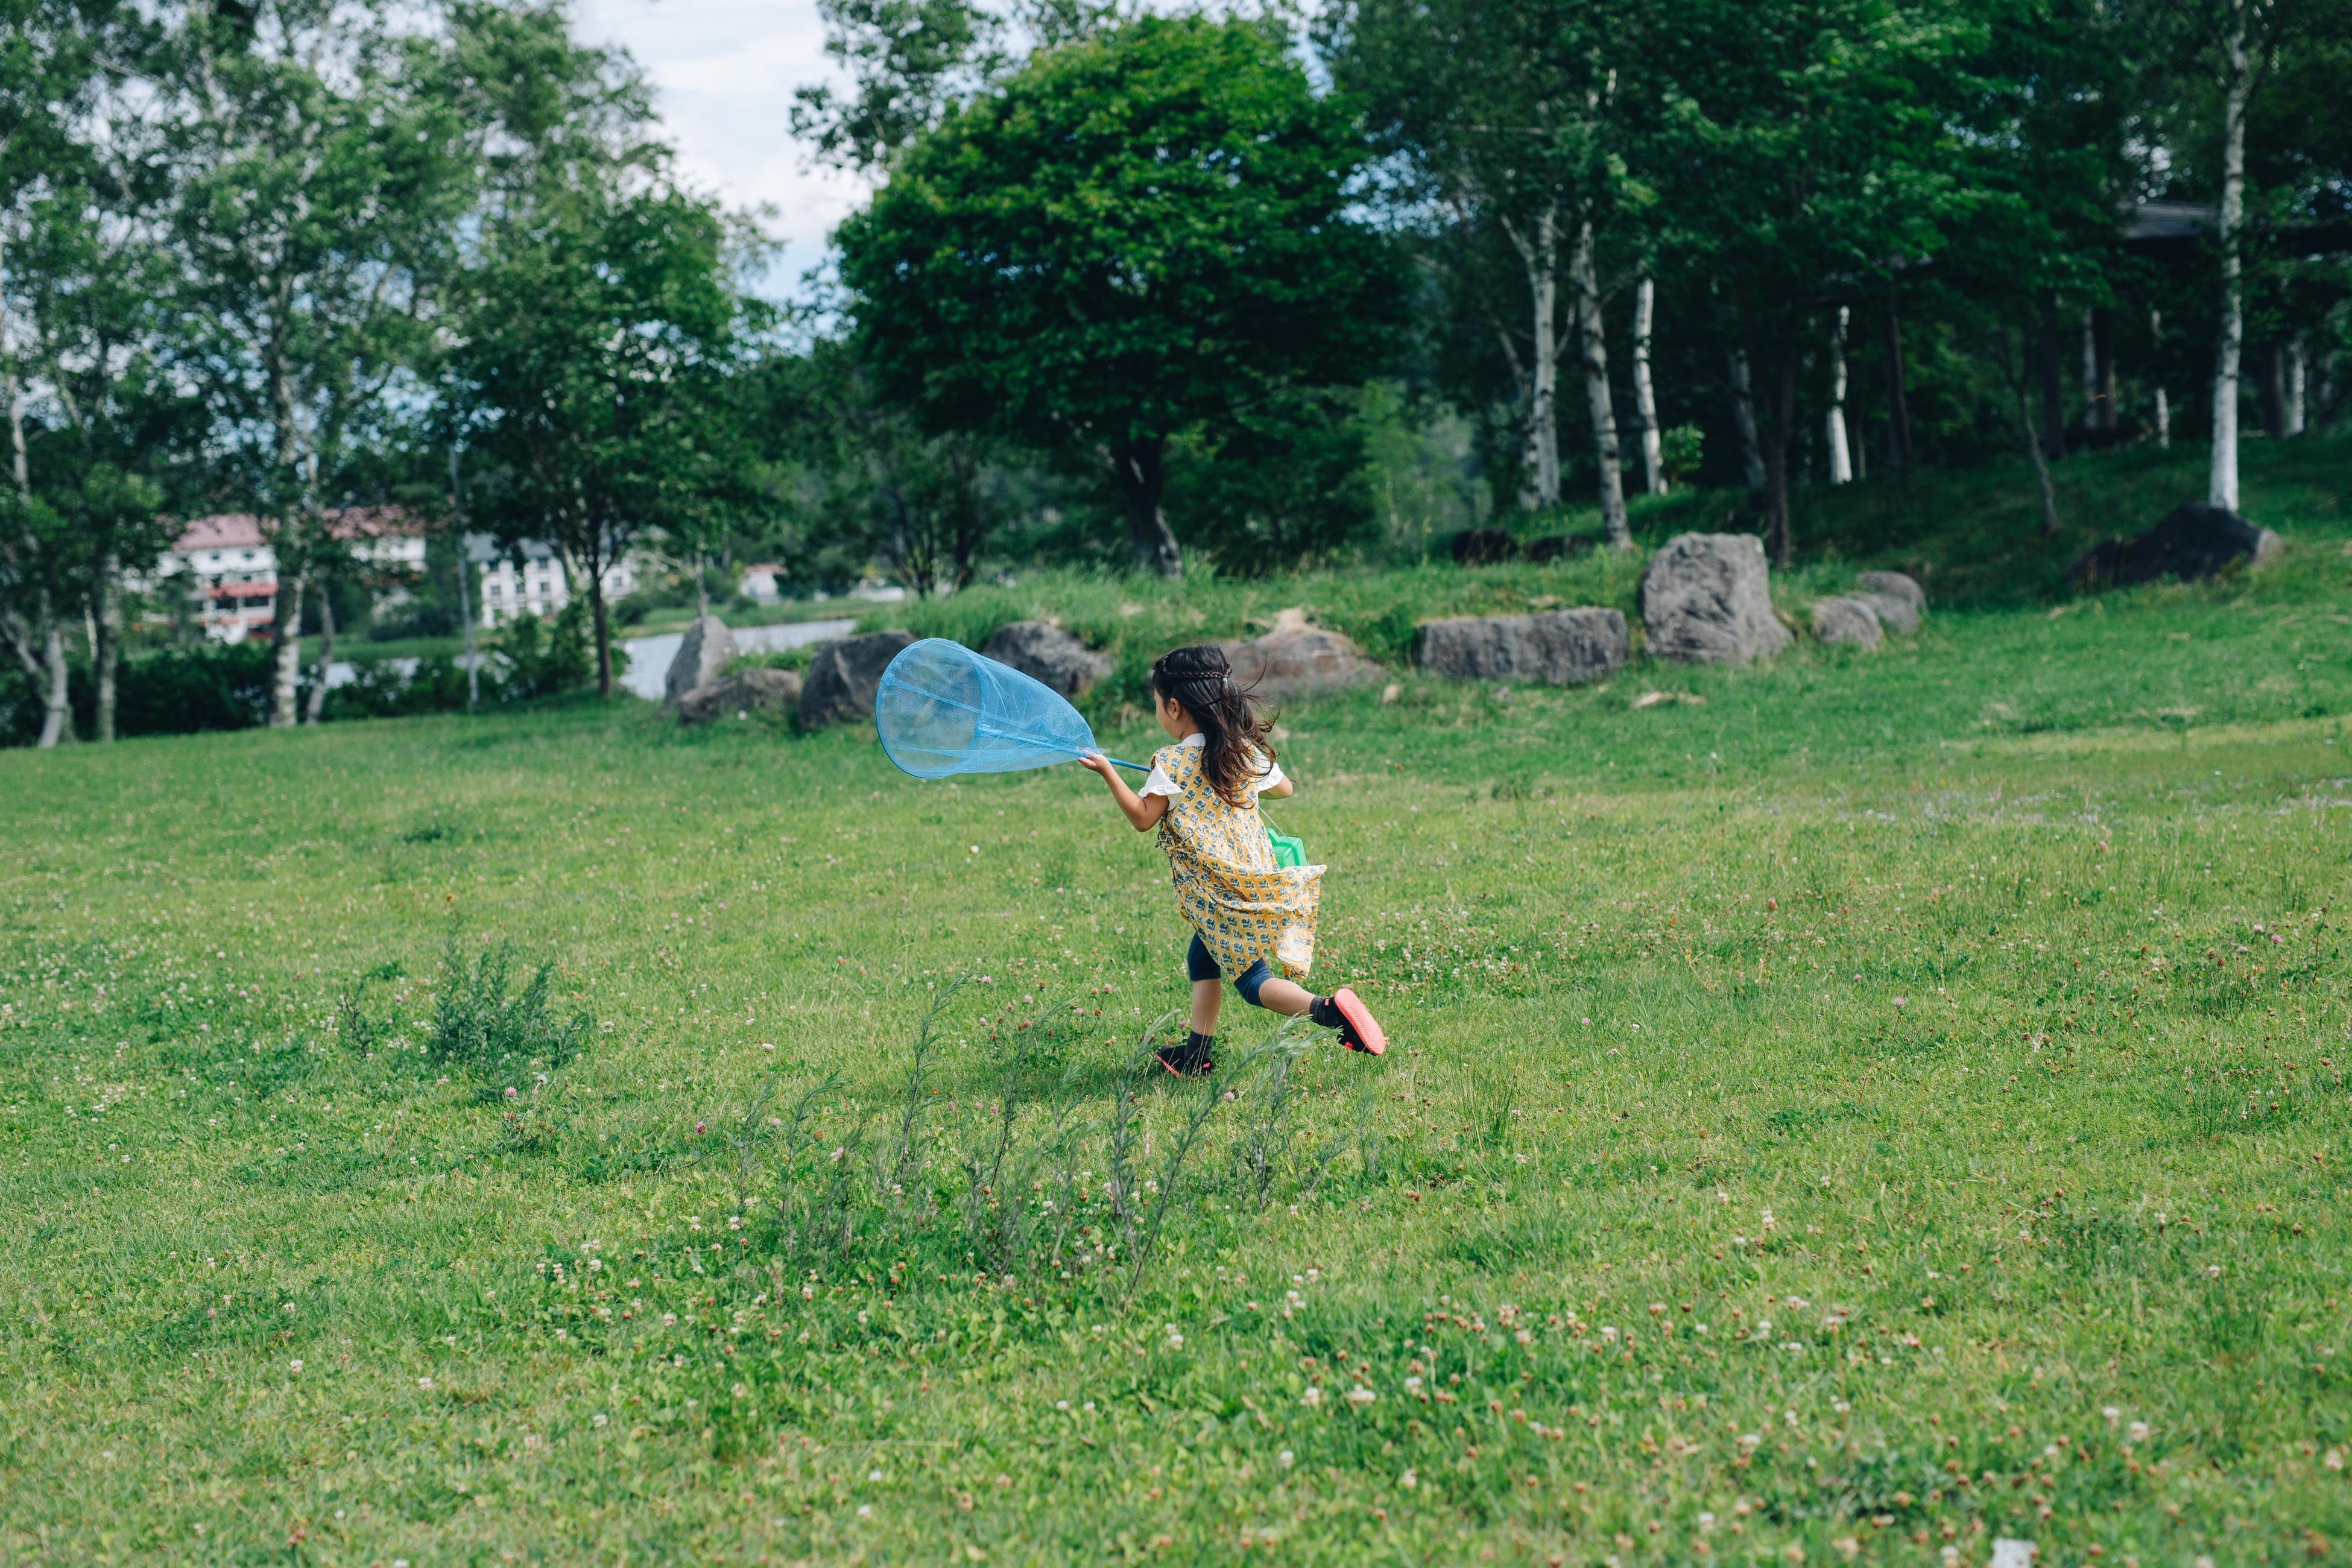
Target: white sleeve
[1268,779]
[1160,784]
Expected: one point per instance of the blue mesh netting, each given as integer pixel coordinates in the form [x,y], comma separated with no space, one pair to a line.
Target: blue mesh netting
[942,708]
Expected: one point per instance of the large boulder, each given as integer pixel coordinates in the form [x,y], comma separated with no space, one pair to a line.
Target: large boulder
[1895,598]
[843,675]
[754,690]
[702,657]
[1045,652]
[1558,647]
[1852,621]
[1705,600]
[1296,660]
[2189,542]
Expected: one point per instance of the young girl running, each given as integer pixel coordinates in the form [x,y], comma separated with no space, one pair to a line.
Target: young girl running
[1243,909]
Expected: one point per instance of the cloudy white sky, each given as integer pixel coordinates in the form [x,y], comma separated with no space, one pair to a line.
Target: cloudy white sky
[726,70]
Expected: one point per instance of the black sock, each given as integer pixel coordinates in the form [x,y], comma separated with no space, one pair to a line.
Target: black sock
[1323,1013]
[1196,1045]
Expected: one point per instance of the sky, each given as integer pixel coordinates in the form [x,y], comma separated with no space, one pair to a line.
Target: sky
[725,72]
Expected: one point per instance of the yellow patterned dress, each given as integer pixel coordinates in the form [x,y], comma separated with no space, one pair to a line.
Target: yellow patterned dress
[1227,886]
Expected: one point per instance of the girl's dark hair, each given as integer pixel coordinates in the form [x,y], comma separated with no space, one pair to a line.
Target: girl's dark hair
[1199,681]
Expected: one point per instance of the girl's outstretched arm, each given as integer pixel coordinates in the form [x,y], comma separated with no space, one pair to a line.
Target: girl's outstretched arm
[1142,811]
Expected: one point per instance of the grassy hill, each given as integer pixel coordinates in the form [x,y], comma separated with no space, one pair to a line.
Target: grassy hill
[1888,1103]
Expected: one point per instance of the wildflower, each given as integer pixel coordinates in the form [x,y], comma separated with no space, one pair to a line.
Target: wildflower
[598,1420]
[2139,1432]
[1312,1397]
[1286,1458]
[1360,1396]
[873,1475]
[425,1383]
[297,1364]
[1408,1481]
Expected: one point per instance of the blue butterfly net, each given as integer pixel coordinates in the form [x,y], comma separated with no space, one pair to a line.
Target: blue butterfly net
[942,709]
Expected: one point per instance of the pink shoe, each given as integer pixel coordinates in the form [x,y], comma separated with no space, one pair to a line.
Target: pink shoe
[1358,1030]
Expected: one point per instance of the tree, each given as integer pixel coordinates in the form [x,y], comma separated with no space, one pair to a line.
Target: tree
[594,363]
[51,76]
[2232,45]
[1809,142]
[1511,114]
[1139,234]
[322,185]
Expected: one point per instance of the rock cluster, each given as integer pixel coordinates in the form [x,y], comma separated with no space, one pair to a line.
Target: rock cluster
[1705,601]
[1045,653]
[1558,648]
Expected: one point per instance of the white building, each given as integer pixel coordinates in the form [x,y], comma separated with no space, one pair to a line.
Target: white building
[531,579]
[230,568]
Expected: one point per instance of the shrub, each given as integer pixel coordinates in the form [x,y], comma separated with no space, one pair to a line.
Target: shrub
[477,1023]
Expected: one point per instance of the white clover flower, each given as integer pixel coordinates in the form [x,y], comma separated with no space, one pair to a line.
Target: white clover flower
[1360,1396]
[1312,1397]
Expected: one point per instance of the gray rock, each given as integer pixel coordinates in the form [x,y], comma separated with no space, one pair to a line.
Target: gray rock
[1705,600]
[2191,542]
[754,690]
[843,675]
[1850,621]
[1558,647]
[702,657]
[1896,585]
[1296,660]
[1283,667]
[1045,652]
[1896,616]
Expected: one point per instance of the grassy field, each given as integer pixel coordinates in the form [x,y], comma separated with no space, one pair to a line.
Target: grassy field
[1855,1110]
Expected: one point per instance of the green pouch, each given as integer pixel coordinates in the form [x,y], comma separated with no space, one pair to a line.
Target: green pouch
[1288,851]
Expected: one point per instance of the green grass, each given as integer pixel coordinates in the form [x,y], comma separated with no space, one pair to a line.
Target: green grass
[1640,964]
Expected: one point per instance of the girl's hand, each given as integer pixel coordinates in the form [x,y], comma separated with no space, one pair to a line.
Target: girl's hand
[1142,812]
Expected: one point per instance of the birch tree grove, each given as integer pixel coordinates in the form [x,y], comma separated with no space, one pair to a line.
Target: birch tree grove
[320,185]
[1511,114]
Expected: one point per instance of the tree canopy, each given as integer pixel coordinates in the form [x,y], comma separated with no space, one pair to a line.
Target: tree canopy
[1141,233]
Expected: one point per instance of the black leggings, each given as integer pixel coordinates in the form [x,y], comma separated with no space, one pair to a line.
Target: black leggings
[1200,966]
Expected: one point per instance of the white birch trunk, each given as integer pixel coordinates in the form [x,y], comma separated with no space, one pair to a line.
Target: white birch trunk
[2222,490]
[1841,457]
[1540,253]
[1645,399]
[290,651]
[317,706]
[1743,419]
[2163,402]
[2297,378]
[1592,343]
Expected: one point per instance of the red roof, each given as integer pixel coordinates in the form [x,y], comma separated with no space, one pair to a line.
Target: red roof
[243,530]
[230,531]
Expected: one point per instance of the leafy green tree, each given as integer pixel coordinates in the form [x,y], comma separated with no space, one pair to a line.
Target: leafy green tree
[1139,234]
[601,330]
[322,180]
[1514,115]
[1803,142]
[52,54]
